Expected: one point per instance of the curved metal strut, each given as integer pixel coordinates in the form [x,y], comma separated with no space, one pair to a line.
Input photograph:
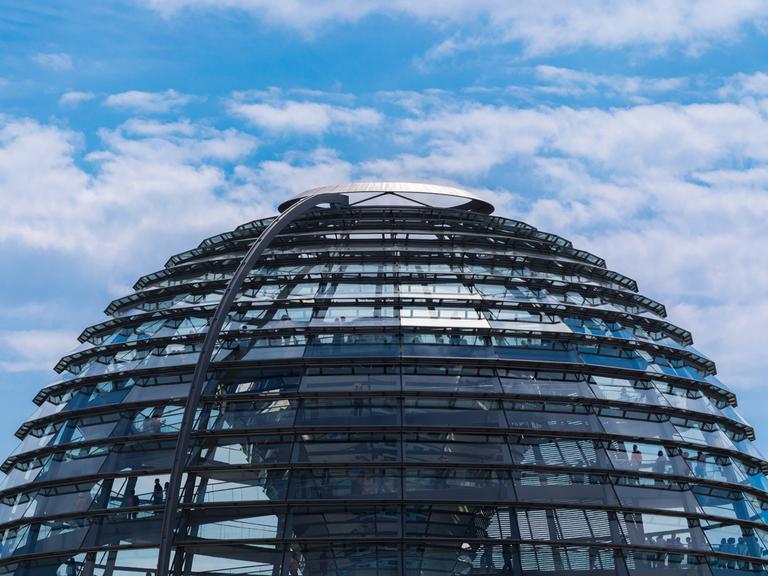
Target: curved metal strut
[206,353]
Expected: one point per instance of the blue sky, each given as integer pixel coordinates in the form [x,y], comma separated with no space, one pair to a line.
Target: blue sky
[131,129]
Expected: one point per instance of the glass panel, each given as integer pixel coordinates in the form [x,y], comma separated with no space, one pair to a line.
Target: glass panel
[660,531]
[520,418]
[715,438]
[158,392]
[256,381]
[241,485]
[240,450]
[725,503]
[450,379]
[133,492]
[237,524]
[140,456]
[128,562]
[637,392]
[263,560]
[732,567]
[642,457]
[549,487]
[341,560]
[49,501]
[453,412]
[538,387]
[353,344]
[592,526]
[458,484]
[345,411]
[51,536]
[345,483]
[639,428]
[733,539]
[540,558]
[441,447]
[249,415]
[450,520]
[356,314]
[344,523]
[459,558]
[359,382]
[558,452]
[345,447]
[650,563]
[652,493]
[715,467]
[157,420]
[73,463]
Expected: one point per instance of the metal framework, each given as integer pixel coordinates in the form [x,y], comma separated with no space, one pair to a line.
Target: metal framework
[397,384]
[206,352]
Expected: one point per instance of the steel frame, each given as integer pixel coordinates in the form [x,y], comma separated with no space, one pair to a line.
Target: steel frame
[206,353]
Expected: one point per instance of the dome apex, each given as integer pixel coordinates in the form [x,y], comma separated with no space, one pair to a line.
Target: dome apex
[386,193]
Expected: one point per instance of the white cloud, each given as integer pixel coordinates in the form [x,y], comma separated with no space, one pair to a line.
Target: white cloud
[541,27]
[417,103]
[745,85]
[301,14]
[172,143]
[142,177]
[452,46]
[34,350]
[551,25]
[296,173]
[749,178]
[303,116]
[732,335]
[142,127]
[568,82]
[471,139]
[57,61]
[148,102]
[75,98]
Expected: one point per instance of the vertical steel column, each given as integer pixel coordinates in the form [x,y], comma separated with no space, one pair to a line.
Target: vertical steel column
[206,353]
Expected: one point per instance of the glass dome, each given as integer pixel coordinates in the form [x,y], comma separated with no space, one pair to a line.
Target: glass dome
[403,385]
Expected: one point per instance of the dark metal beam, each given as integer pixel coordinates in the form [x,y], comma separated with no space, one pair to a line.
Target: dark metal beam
[206,353]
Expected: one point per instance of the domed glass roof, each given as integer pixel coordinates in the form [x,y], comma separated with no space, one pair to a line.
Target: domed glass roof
[422,390]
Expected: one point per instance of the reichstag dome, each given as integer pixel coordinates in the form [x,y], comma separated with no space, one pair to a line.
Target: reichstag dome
[384,380]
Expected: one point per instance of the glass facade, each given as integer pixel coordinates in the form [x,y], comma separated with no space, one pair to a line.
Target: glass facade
[403,386]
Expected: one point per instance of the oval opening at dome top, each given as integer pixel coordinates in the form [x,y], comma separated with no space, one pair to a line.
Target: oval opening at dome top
[401,194]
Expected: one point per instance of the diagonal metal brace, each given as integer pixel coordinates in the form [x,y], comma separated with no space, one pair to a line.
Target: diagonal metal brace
[206,353]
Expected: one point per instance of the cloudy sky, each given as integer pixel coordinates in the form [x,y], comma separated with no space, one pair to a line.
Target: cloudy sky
[131,129]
